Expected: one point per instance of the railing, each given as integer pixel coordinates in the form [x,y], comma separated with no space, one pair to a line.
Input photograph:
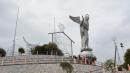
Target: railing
[32,59]
[49,59]
[10,60]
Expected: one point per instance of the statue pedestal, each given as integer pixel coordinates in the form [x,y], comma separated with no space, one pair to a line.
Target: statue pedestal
[87,56]
[86,49]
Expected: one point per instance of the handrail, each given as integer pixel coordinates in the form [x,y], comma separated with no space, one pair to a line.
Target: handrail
[10,60]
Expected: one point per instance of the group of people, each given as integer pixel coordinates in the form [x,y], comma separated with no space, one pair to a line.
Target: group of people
[85,60]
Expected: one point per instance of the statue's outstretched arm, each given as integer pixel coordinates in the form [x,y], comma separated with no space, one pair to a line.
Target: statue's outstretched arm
[75,19]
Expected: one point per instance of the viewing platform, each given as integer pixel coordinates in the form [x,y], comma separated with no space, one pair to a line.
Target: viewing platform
[33,59]
[45,64]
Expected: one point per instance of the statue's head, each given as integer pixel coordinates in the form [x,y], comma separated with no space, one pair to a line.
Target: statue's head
[86,17]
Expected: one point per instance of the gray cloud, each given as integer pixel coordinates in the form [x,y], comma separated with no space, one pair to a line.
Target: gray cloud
[108,19]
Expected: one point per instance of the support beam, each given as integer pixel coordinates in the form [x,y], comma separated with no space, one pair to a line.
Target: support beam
[71,41]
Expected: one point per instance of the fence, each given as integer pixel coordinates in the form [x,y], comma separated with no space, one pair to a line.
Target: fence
[46,60]
[29,59]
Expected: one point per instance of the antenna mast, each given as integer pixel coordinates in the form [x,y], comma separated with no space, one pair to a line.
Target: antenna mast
[54,25]
[115,54]
[54,35]
[15,32]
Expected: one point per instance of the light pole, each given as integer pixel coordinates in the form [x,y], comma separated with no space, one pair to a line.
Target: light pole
[115,56]
[15,32]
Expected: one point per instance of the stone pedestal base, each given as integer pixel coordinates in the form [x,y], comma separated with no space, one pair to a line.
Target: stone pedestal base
[86,49]
[87,56]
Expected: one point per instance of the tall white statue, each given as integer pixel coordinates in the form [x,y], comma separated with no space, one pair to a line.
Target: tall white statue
[84,27]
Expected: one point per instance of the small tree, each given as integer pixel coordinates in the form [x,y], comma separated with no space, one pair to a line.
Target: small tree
[47,49]
[126,59]
[2,52]
[109,64]
[21,51]
[52,47]
[66,67]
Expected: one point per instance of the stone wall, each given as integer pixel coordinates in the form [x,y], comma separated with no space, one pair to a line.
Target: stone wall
[43,68]
[32,59]
[49,68]
[43,64]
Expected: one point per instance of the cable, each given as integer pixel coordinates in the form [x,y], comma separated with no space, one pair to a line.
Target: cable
[118,56]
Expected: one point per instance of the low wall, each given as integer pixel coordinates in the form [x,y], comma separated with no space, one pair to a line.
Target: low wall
[44,68]
[50,68]
[43,64]
[32,59]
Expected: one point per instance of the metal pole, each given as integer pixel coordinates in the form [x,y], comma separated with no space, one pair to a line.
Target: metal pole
[67,37]
[13,48]
[71,50]
[52,38]
[115,56]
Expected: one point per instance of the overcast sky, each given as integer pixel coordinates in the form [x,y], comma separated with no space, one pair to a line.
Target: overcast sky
[108,19]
